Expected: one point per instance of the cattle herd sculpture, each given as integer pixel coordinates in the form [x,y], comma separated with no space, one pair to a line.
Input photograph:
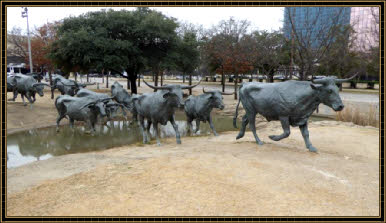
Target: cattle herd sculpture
[290,102]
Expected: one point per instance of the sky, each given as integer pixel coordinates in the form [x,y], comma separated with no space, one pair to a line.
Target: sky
[261,18]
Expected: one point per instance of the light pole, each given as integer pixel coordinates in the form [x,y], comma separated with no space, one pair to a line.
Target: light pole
[25,14]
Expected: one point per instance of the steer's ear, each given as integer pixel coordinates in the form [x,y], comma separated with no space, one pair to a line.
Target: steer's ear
[316,86]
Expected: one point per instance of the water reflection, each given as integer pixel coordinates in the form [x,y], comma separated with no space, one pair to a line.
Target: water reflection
[40,144]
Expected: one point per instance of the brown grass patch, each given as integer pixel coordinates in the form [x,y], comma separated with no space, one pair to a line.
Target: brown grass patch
[350,114]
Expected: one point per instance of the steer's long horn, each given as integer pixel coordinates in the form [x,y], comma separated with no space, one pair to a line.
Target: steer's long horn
[106,99]
[224,93]
[93,102]
[73,84]
[206,92]
[347,79]
[154,87]
[36,84]
[191,86]
[93,83]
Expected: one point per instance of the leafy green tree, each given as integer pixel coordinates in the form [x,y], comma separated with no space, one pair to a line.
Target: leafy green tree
[188,55]
[114,41]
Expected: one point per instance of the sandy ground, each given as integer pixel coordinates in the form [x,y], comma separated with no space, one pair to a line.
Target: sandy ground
[206,175]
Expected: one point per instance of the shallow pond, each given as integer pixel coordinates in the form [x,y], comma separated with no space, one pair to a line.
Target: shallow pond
[40,144]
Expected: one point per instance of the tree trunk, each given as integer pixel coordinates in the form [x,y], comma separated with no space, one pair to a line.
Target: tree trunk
[183,78]
[155,80]
[75,76]
[190,83]
[161,73]
[103,76]
[139,82]
[236,80]
[128,81]
[50,76]
[223,80]
[132,77]
[87,77]
[107,79]
[270,78]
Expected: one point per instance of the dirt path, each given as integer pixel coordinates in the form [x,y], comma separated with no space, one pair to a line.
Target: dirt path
[205,175]
[209,176]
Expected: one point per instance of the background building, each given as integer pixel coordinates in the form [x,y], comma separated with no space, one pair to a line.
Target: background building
[364,21]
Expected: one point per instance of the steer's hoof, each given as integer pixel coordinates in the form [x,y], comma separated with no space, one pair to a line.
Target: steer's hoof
[274,138]
[239,136]
[312,149]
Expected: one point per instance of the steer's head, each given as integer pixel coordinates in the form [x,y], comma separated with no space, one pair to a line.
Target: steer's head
[172,99]
[98,106]
[328,92]
[215,98]
[175,89]
[39,87]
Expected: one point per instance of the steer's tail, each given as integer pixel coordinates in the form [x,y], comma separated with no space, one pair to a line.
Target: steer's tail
[237,111]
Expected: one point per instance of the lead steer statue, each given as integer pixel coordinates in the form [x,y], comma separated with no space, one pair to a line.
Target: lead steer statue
[290,102]
[27,86]
[159,107]
[80,109]
[199,107]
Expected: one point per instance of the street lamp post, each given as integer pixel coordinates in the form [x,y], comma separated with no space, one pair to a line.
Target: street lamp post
[25,14]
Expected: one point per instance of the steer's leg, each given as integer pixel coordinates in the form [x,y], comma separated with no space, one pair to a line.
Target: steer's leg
[197,126]
[251,120]
[72,124]
[148,129]
[155,127]
[175,126]
[244,124]
[14,95]
[305,134]
[28,96]
[190,126]
[142,128]
[22,98]
[60,117]
[286,127]
[212,126]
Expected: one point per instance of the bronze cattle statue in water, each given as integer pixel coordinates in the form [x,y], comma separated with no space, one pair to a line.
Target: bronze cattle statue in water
[290,102]
[199,107]
[159,107]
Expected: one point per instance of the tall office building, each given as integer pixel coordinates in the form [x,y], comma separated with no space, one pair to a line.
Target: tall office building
[312,23]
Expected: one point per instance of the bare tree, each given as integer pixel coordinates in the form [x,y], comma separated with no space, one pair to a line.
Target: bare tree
[313,36]
[229,49]
[17,43]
